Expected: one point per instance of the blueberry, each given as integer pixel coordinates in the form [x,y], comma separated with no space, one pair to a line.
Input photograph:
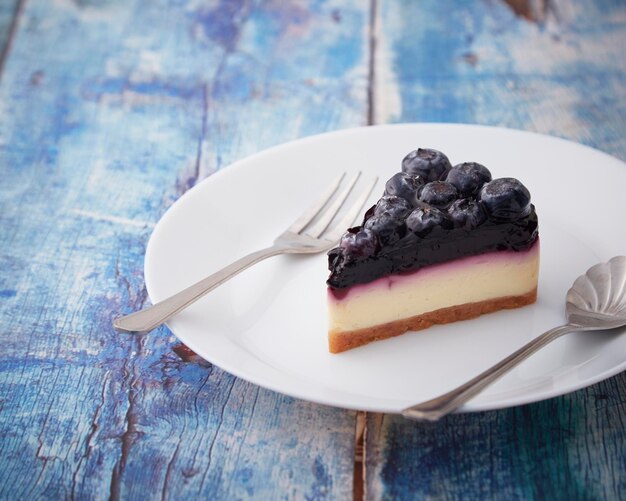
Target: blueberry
[467,213]
[387,227]
[431,165]
[505,198]
[359,242]
[368,213]
[468,178]
[334,257]
[404,185]
[396,206]
[426,217]
[439,194]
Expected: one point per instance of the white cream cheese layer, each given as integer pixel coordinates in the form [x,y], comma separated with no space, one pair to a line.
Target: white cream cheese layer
[468,280]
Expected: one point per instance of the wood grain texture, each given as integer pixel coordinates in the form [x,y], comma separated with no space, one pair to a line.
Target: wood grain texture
[564,75]
[570,447]
[8,16]
[109,111]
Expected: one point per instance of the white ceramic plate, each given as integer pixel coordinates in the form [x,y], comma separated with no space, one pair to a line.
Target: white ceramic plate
[268,325]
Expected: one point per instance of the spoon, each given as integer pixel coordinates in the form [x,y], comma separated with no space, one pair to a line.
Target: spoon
[596,301]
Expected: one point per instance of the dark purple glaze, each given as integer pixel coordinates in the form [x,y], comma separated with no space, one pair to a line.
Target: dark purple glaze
[506,223]
[441,245]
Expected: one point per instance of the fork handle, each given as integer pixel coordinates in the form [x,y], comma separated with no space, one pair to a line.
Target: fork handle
[434,409]
[151,317]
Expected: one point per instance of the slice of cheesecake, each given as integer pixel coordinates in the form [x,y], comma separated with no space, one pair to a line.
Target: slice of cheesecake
[442,244]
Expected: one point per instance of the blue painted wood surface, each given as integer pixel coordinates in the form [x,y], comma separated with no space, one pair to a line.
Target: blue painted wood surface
[8,16]
[564,75]
[109,111]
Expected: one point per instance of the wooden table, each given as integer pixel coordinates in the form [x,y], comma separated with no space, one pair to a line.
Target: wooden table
[111,109]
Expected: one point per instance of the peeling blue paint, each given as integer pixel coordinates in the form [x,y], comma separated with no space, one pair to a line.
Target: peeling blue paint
[323,481]
[96,89]
[110,111]
[222,24]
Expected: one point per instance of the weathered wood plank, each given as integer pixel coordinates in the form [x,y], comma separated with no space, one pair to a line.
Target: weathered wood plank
[563,448]
[8,19]
[563,76]
[110,111]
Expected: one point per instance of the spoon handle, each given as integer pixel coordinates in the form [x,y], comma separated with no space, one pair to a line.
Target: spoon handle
[434,409]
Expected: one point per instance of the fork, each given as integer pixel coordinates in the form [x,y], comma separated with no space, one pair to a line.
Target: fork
[311,233]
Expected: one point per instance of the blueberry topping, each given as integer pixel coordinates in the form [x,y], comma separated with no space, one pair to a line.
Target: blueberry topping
[468,178]
[395,206]
[404,185]
[368,213]
[506,199]
[431,165]
[387,227]
[424,218]
[432,213]
[359,242]
[439,194]
[467,213]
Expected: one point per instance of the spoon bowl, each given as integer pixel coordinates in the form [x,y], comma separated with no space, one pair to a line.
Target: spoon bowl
[597,299]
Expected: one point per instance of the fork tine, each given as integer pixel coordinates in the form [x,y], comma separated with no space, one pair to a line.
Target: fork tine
[348,219]
[330,212]
[308,215]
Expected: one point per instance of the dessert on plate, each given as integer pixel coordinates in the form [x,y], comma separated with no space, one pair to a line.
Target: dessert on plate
[444,243]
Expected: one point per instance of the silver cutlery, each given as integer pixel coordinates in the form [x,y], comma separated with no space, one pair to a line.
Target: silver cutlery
[313,232]
[596,301]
